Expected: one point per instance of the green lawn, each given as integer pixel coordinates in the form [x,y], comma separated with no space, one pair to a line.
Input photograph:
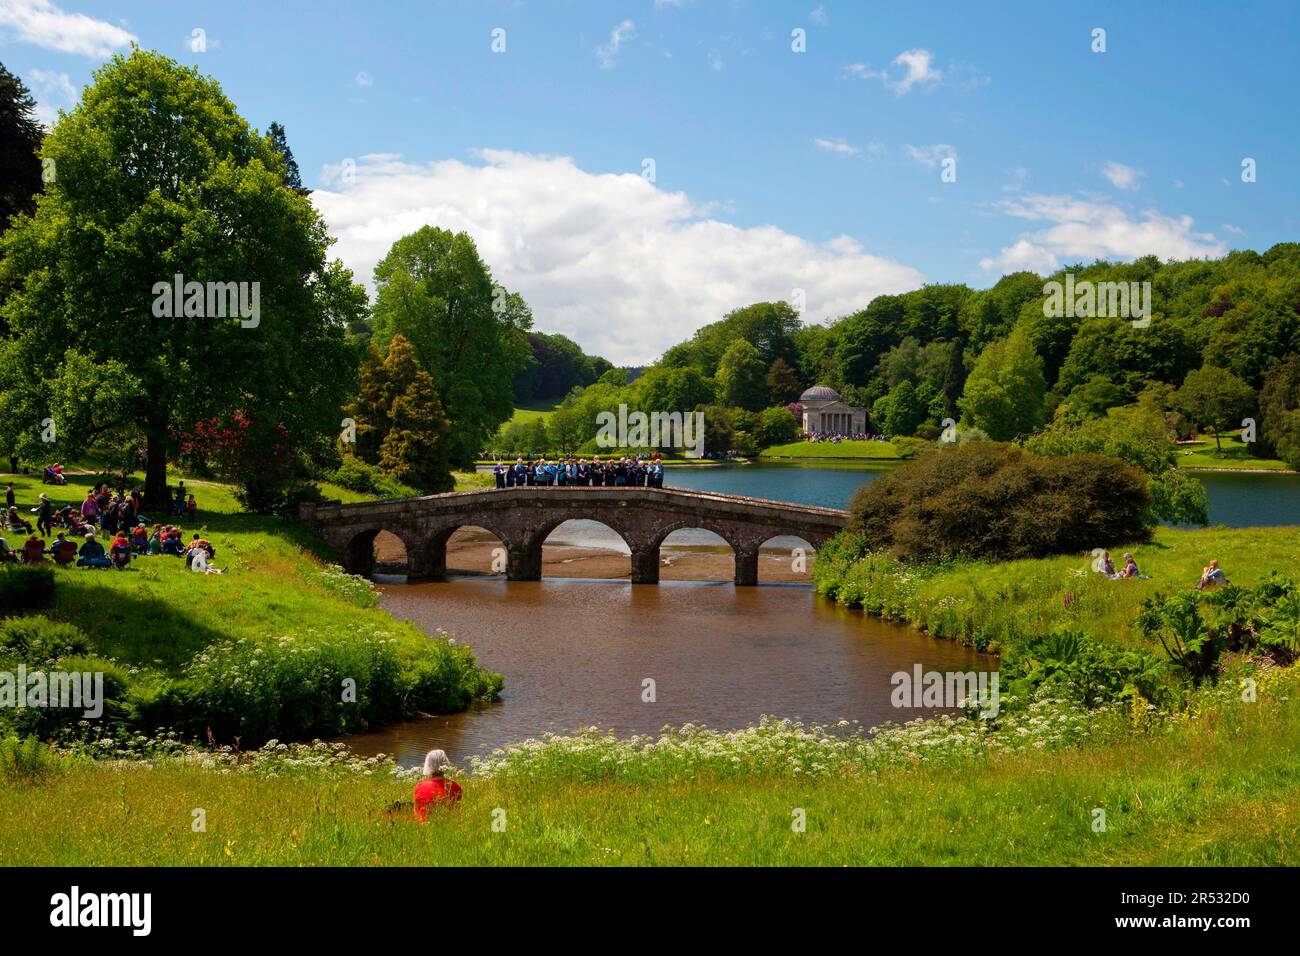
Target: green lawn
[1218,788]
[1235,456]
[874,450]
[525,414]
[1012,599]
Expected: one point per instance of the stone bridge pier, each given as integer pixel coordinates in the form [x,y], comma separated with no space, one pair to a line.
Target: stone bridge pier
[522,518]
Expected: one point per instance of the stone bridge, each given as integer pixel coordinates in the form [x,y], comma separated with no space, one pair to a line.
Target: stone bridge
[523,517]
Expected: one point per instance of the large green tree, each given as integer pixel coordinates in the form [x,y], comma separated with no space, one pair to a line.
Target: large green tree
[469,335]
[158,176]
[742,378]
[1004,391]
[1279,411]
[20,138]
[1215,398]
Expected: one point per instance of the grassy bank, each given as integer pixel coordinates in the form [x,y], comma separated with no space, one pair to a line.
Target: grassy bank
[262,650]
[993,605]
[1235,456]
[1215,788]
[866,450]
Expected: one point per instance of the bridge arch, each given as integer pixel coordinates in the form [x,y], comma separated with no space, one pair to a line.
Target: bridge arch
[436,540]
[538,539]
[800,554]
[359,548]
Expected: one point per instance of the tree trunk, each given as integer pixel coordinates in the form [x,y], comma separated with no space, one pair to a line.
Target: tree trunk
[155,474]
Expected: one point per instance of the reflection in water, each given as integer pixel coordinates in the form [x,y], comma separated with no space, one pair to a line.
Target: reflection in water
[576,653]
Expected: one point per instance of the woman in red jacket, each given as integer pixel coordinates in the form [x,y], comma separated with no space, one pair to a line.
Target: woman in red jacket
[435,788]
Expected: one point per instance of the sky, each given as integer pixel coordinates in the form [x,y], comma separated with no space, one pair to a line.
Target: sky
[638,169]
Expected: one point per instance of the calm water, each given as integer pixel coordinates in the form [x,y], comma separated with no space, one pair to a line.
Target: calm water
[575,654]
[1238,501]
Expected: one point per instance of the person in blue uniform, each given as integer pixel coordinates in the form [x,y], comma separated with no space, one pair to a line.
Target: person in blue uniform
[499,474]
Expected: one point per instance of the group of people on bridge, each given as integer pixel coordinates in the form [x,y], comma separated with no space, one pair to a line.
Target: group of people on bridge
[639,472]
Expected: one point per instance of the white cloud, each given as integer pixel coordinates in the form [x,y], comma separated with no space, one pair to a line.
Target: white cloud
[818,16]
[1080,230]
[715,62]
[365,80]
[52,90]
[1235,230]
[837,146]
[607,53]
[911,68]
[1121,176]
[41,23]
[930,156]
[611,260]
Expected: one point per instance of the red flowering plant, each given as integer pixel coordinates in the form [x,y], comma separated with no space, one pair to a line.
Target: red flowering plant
[247,451]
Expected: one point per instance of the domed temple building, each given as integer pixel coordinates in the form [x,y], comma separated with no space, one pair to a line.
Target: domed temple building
[825,414]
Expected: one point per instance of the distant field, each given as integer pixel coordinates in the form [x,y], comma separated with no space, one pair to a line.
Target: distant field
[525,414]
[878,450]
[1203,454]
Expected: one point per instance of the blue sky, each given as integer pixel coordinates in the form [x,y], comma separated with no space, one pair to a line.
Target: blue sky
[776,173]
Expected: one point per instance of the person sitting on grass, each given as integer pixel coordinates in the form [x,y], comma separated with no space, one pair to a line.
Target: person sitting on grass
[17,522]
[435,788]
[1211,576]
[63,551]
[155,540]
[139,539]
[6,553]
[120,551]
[92,554]
[171,542]
[199,546]
[34,549]
[1130,569]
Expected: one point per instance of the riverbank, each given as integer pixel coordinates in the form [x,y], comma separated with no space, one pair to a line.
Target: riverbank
[263,650]
[1214,788]
[993,606]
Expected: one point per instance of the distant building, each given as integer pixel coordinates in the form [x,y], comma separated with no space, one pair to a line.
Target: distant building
[825,414]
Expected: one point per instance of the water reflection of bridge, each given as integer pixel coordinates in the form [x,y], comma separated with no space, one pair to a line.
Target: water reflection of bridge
[523,517]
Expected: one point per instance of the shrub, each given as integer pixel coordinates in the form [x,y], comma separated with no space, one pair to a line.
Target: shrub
[24,758]
[321,684]
[25,588]
[355,475]
[994,501]
[38,640]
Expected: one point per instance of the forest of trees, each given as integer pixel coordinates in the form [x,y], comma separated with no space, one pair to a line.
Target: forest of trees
[1221,347]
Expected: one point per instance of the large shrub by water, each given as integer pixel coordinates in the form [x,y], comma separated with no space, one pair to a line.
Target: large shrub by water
[996,501]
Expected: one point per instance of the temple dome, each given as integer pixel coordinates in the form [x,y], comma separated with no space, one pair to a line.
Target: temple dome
[820,393]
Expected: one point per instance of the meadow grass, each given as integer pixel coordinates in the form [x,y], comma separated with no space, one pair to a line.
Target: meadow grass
[874,450]
[978,601]
[1218,788]
[1234,457]
[532,411]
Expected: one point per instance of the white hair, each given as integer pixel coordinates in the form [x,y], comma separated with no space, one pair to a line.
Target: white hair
[435,761]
